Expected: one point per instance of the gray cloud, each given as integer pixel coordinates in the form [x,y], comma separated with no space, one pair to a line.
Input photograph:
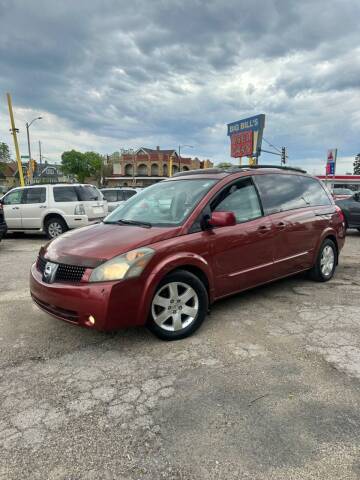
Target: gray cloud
[178,71]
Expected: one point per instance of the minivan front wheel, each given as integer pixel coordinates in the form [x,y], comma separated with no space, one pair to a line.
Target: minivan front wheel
[326,261]
[54,227]
[179,306]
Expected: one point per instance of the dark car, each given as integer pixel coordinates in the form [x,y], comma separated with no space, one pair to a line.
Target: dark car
[3,226]
[351,209]
[178,246]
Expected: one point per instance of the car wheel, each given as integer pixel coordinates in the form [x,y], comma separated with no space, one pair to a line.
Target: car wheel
[54,227]
[326,261]
[179,306]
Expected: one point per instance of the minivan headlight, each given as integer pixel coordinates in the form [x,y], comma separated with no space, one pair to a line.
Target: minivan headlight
[79,210]
[128,265]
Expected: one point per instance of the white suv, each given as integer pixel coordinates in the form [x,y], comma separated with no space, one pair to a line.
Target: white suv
[53,208]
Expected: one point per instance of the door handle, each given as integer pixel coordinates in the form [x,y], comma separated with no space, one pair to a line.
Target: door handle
[263,229]
[281,225]
[42,206]
[15,208]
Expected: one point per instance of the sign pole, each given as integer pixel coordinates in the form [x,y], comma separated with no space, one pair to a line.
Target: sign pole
[14,131]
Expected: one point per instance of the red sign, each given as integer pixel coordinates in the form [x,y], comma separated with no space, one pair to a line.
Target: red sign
[242,144]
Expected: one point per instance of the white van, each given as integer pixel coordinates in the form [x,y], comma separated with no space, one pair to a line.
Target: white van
[53,209]
[117,196]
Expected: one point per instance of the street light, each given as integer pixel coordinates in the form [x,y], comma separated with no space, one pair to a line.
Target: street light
[28,125]
[180,146]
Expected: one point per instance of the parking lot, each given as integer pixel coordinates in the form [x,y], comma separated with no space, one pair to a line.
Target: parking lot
[268,388]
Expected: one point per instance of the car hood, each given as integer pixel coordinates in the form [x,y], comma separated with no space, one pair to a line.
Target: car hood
[90,246]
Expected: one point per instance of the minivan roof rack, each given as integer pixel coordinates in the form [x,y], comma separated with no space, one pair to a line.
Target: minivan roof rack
[247,167]
[235,168]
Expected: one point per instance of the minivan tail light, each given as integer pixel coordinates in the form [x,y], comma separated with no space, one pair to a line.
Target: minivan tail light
[79,210]
[340,213]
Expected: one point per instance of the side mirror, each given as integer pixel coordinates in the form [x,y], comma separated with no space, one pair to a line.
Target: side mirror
[222,219]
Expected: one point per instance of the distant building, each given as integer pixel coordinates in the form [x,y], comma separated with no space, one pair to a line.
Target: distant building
[146,166]
[341,181]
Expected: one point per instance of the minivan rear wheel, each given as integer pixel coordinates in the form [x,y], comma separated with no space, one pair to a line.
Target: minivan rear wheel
[54,227]
[326,262]
[179,306]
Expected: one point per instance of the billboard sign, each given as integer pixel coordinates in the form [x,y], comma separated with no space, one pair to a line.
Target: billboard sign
[246,136]
[331,161]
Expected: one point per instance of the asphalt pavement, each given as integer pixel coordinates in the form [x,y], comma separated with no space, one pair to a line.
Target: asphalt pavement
[268,388]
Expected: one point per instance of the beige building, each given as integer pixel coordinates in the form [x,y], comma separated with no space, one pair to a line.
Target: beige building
[146,166]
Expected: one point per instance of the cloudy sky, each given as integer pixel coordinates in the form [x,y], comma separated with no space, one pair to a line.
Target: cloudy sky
[109,74]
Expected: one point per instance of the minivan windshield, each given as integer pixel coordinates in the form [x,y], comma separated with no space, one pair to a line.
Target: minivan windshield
[166,203]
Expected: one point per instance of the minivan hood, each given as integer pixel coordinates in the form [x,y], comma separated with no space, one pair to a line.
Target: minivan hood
[90,246]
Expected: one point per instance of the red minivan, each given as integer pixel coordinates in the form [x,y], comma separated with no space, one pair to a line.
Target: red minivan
[176,247]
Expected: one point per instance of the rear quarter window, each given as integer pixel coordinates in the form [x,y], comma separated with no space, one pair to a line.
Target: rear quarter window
[88,193]
[282,192]
[65,194]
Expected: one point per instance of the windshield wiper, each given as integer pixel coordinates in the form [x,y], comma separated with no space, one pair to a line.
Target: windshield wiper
[123,221]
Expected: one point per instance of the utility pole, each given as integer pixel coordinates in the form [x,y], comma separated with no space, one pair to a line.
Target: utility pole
[14,130]
[28,125]
[40,157]
[179,165]
[283,156]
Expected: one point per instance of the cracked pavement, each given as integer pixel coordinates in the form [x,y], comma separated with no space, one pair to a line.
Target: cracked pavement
[268,388]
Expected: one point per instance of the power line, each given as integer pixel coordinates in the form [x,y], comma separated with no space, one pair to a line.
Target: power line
[271,145]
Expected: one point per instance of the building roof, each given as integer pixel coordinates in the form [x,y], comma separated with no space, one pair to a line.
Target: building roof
[152,151]
[8,169]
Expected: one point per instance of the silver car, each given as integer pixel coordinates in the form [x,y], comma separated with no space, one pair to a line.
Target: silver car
[117,196]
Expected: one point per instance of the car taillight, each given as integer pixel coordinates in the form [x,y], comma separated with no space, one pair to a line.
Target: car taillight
[340,213]
[1,207]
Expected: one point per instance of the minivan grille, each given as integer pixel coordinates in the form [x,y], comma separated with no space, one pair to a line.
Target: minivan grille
[65,273]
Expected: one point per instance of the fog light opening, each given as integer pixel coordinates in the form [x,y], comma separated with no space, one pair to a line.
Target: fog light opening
[91,320]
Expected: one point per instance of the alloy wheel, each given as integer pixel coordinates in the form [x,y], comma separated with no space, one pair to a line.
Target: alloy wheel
[55,229]
[327,261]
[175,306]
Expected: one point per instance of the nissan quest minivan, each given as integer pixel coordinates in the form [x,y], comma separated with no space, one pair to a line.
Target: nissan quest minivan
[178,246]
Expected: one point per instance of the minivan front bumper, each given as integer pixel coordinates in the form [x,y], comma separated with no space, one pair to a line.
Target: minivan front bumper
[113,305]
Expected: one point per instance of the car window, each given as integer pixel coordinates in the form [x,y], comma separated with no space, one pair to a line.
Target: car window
[240,198]
[65,194]
[110,195]
[88,193]
[120,195]
[280,192]
[313,191]
[34,195]
[128,194]
[13,198]
[166,203]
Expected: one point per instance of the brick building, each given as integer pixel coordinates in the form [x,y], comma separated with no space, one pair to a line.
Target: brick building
[146,166]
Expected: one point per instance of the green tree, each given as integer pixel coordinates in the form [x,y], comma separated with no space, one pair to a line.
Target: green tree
[357,165]
[4,152]
[224,165]
[82,165]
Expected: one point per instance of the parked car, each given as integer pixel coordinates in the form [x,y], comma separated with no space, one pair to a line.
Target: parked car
[53,209]
[341,193]
[351,210]
[117,196]
[3,190]
[3,226]
[223,232]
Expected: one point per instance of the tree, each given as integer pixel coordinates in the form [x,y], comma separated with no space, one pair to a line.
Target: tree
[224,165]
[82,165]
[357,165]
[4,152]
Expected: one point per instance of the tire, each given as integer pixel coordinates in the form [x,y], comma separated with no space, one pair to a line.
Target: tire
[54,227]
[326,262]
[189,312]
